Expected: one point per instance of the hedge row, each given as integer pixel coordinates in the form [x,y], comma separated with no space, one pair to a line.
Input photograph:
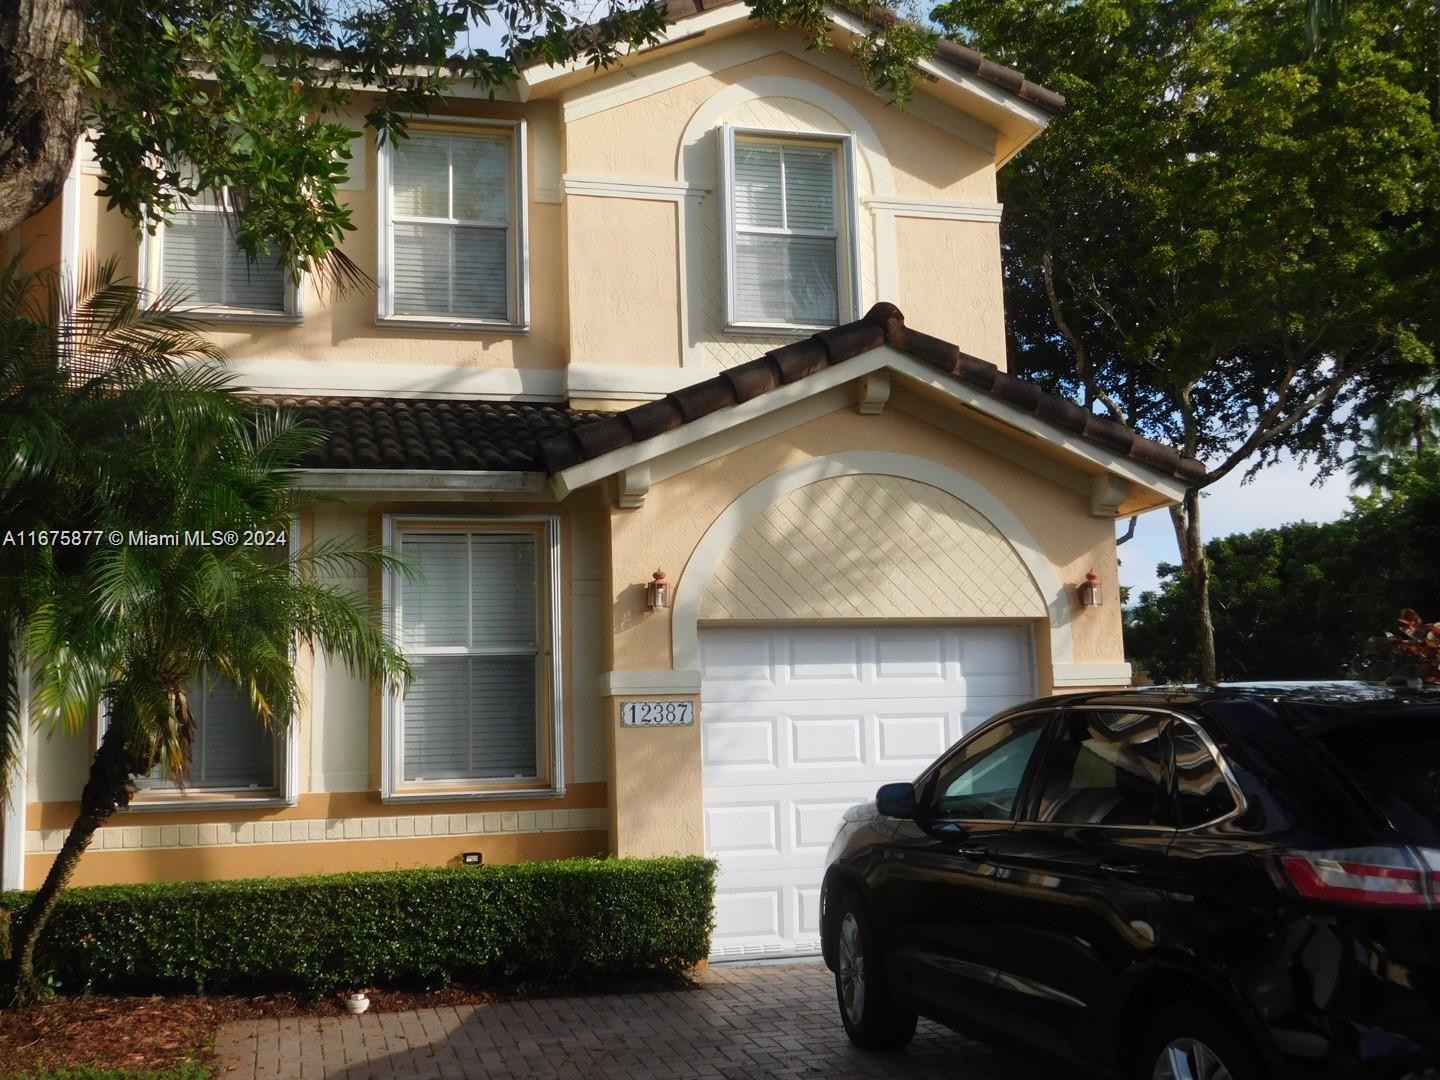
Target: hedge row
[573,919]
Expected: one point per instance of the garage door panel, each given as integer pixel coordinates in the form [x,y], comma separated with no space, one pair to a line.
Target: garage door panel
[824,657]
[911,739]
[788,749]
[743,829]
[742,742]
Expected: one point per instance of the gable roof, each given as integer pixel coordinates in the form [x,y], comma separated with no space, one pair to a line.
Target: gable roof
[951,52]
[883,325]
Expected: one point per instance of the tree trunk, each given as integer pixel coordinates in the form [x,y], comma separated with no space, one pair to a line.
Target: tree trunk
[1186,520]
[42,106]
[107,789]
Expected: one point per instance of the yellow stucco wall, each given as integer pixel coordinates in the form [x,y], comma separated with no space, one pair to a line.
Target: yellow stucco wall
[678,512]
[605,273]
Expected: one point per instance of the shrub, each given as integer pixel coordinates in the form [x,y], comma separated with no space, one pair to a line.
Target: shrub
[572,919]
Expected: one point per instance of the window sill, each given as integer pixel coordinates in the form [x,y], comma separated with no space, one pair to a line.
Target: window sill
[775,330]
[274,318]
[469,326]
[438,795]
[153,802]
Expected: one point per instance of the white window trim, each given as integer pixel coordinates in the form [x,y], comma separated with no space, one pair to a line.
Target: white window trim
[287,765]
[151,274]
[393,789]
[518,261]
[847,244]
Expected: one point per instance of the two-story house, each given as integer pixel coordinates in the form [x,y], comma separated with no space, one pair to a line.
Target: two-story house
[629,323]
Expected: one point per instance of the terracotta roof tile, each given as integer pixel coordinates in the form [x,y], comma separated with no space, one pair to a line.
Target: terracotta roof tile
[430,433]
[884,324]
[952,52]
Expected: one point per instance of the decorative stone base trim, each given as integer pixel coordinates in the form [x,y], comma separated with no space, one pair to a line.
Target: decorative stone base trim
[326,829]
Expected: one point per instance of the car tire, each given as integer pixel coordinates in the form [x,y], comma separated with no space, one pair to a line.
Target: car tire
[1193,1040]
[871,1018]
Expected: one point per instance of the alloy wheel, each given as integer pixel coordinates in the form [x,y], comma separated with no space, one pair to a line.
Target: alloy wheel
[1189,1059]
[852,968]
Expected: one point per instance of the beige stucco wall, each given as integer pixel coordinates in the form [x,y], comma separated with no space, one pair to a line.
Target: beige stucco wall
[871,547]
[678,512]
[605,273]
[339,820]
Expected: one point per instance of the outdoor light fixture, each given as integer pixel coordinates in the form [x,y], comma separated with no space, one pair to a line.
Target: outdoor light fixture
[1090,590]
[657,593]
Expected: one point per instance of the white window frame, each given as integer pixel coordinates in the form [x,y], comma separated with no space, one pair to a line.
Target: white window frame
[847,213]
[517,289]
[393,786]
[152,264]
[286,791]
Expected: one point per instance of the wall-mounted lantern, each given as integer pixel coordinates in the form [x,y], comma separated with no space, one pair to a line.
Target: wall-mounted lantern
[1090,591]
[657,593]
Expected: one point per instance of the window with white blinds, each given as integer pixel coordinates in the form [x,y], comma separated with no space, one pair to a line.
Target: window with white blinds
[451,227]
[469,621]
[200,259]
[786,231]
[231,750]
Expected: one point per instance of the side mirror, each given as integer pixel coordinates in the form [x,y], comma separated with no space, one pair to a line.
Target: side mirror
[896,800]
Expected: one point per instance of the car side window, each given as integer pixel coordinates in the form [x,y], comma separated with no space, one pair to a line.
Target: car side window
[1201,792]
[982,780]
[1105,768]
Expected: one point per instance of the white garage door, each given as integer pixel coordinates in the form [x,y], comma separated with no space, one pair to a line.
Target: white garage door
[800,723]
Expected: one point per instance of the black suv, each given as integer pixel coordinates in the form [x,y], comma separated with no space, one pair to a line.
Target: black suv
[1190,885]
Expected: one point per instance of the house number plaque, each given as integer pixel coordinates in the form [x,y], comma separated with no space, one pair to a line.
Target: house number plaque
[657,713]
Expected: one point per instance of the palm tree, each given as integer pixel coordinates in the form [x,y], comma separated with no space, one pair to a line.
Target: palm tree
[117,420]
[1399,433]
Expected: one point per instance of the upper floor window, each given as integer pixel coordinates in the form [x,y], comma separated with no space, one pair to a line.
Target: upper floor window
[789,209]
[453,229]
[195,254]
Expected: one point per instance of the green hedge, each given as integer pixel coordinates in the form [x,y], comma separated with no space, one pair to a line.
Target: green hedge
[573,919]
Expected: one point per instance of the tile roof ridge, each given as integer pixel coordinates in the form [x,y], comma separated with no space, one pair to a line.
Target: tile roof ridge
[883,324]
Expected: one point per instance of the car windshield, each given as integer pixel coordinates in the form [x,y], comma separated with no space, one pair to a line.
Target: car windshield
[1397,764]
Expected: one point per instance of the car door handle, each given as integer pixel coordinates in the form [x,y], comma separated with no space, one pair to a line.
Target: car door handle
[974,851]
[1120,869]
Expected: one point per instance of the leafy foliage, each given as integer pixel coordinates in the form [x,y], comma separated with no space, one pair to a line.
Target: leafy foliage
[1229,239]
[571,919]
[1303,601]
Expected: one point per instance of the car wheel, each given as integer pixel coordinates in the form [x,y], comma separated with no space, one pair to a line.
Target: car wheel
[1191,1042]
[872,1019]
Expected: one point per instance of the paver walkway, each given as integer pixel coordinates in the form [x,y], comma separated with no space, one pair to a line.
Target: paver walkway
[744,1020]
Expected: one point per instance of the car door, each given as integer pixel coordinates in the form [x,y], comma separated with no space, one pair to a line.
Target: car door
[1085,875]
[936,889]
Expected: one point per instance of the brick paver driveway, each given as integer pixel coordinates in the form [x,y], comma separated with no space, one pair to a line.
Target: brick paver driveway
[744,1020]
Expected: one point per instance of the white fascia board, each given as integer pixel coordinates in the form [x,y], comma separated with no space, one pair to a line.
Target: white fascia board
[938,69]
[326,378]
[419,481]
[588,472]
[534,78]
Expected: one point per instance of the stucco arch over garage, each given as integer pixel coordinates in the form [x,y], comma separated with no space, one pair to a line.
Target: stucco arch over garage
[1029,589]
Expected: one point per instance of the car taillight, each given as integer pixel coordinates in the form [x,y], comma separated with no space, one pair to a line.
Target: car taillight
[1372,876]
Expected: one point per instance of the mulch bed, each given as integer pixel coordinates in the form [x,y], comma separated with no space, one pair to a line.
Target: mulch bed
[161,1032]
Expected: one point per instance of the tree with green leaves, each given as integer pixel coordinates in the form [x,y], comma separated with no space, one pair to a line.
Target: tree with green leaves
[256,96]
[1304,601]
[1230,239]
[116,419]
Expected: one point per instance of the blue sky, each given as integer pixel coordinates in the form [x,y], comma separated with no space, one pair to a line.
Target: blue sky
[1281,494]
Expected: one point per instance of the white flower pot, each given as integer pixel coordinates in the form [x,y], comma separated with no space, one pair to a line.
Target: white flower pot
[357,1004]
